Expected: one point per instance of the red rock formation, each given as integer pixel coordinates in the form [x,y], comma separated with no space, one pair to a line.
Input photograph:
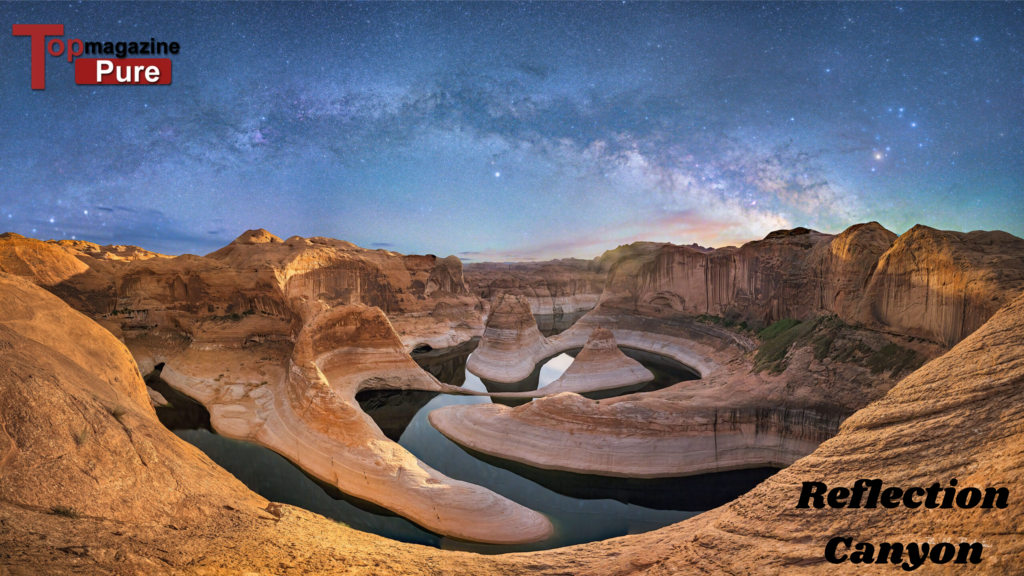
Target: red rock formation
[942,285]
[77,429]
[936,285]
[555,287]
[151,504]
[256,289]
[511,345]
[255,331]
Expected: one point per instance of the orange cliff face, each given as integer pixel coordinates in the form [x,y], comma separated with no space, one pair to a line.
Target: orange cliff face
[150,501]
[258,288]
[931,284]
[556,287]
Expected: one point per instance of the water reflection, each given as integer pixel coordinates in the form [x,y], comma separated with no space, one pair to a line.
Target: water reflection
[550,324]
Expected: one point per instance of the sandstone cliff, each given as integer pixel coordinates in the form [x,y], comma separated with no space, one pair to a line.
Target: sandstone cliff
[511,345]
[256,289]
[754,406]
[77,429]
[556,287]
[256,331]
[930,284]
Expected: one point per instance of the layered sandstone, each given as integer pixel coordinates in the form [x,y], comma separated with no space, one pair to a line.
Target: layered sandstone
[942,285]
[165,508]
[511,345]
[258,288]
[77,429]
[599,367]
[957,417]
[275,338]
[308,413]
[91,481]
[927,283]
[555,287]
[746,411]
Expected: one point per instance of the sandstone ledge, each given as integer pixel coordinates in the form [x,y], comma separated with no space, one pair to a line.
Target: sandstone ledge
[308,414]
[734,417]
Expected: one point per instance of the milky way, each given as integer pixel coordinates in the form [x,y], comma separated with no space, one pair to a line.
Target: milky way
[509,131]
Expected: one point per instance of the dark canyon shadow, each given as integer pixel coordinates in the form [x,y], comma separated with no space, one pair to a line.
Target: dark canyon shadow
[182,413]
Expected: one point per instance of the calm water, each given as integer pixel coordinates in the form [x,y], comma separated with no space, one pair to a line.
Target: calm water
[582,508]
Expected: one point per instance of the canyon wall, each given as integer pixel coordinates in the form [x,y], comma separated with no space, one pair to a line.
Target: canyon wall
[554,287]
[275,337]
[927,283]
[258,288]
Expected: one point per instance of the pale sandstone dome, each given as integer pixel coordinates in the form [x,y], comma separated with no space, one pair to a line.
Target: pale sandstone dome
[62,379]
[511,344]
[734,417]
[260,293]
[599,366]
[308,413]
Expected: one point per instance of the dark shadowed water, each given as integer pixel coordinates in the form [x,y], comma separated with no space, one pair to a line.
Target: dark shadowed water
[582,508]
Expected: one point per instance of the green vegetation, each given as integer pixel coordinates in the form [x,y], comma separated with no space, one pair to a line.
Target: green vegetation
[708,319]
[65,511]
[118,413]
[830,339]
[81,436]
[895,359]
[777,340]
[778,328]
[727,323]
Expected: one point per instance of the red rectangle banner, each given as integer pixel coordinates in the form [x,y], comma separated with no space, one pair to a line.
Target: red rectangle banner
[128,71]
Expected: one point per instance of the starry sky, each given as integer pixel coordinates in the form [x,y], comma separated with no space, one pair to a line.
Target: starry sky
[518,131]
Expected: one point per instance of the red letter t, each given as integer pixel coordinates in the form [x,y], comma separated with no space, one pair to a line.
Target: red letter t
[38,32]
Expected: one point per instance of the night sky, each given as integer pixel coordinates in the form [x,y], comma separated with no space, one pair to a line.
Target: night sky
[514,131]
